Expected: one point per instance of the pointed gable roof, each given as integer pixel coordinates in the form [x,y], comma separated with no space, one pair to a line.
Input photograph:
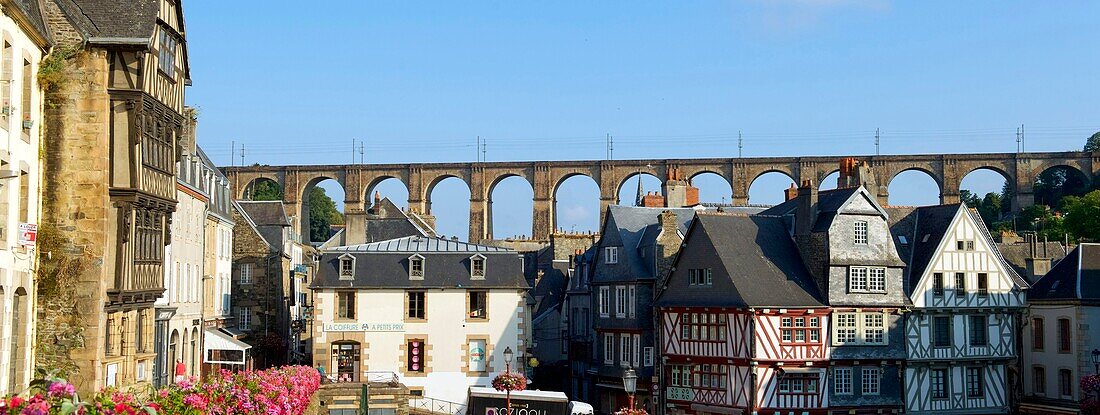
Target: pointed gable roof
[829,204]
[1076,277]
[626,227]
[760,265]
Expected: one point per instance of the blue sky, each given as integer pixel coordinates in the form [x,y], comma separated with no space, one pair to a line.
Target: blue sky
[417,82]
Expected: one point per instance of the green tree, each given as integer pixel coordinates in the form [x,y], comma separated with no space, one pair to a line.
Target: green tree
[266,190]
[1056,183]
[322,215]
[1083,216]
[1043,221]
[1093,143]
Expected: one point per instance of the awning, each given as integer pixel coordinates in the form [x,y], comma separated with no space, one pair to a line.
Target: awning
[220,347]
[802,369]
[237,334]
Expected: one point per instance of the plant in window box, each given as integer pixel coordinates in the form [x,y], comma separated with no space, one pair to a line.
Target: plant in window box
[7,109]
[28,123]
[635,411]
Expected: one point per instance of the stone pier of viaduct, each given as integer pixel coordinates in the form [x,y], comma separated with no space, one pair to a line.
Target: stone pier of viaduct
[358,180]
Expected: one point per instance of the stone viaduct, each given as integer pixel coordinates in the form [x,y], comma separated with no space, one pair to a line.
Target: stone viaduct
[358,180]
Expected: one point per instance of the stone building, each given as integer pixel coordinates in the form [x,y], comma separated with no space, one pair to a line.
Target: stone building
[24,44]
[221,350]
[263,248]
[114,116]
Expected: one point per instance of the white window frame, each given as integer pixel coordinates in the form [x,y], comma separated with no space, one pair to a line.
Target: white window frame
[842,380]
[611,255]
[867,280]
[870,381]
[620,301]
[349,272]
[860,331]
[605,301]
[244,319]
[608,348]
[647,357]
[625,353]
[636,356]
[859,232]
[631,296]
[415,274]
[475,274]
[246,273]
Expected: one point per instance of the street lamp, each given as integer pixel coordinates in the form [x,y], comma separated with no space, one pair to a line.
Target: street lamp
[630,384]
[508,355]
[1096,361]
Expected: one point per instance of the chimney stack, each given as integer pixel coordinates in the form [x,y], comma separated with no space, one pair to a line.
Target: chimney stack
[806,214]
[791,193]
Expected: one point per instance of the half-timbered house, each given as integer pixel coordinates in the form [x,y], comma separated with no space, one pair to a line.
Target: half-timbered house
[1058,341]
[113,120]
[845,241]
[743,328]
[961,336]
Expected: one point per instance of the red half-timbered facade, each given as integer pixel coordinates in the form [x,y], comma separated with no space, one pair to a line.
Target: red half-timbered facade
[742,328]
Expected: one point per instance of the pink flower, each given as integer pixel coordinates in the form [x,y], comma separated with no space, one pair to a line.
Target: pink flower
[61,389]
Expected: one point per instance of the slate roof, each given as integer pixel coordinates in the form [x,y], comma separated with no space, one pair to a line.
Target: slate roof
[419,244]
[829,203]
[1017,253]
[34,15]
[761,266]
[386,221]
[923,229]
[627,227]
[265,213]
[218,206]
[131,19]
[1076,277]
[385,264]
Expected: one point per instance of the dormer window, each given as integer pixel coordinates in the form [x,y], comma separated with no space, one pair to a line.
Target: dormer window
[477,267]
[416,267]
[347,267]
[611,255]
[860,232]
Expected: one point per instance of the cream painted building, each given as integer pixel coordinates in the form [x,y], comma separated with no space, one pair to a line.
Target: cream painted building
[24,44]
[436,313]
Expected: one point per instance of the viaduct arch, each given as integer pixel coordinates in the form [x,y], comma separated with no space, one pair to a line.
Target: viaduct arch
[1019,169]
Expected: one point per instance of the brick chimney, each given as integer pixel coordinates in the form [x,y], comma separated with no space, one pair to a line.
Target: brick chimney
[806,213]
[790,193]
[856,173]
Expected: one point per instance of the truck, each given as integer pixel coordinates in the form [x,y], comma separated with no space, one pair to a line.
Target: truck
[489,401]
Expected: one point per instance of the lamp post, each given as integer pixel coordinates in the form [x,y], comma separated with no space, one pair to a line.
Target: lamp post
[630,384]
[508,355]
[1096,361]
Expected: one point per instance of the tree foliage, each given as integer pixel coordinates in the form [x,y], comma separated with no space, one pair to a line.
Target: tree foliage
[266,190]
[1083,216]
[1093,143]
[322,215]
[1056,183]
[989,207]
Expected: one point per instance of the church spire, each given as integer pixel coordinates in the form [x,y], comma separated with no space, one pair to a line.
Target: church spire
[641,195]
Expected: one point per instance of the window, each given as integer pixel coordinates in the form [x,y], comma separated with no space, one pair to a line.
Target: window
[246,273]
[478,305]
[964,245]
[605,301]
[477,267]
[347,267]
[1065,382]
[416,305]
[974,387]
[860,234]
[167,53]
[345,304]
[415,357]
[869,381]
[620,301]
[625,350]
[636,351]
[939,384]
[960,283]
[416,267]
[647,357]
[1064,337]
[631,294]
[842,381]
[27,105]
[941,331]
[794,329]
[611,255]
[978,331]
[244,319]
[608,348]
[865,328]
[711,376]
[8,62]
[1039,380]
[937,284]
[1037,334]
[700,276]
[798,384]
[983,284]
[867,279]
[703,327]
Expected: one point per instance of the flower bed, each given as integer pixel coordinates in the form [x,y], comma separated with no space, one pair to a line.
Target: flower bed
[280,391]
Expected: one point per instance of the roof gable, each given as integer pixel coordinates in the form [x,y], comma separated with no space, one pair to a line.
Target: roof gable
[1076,277]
